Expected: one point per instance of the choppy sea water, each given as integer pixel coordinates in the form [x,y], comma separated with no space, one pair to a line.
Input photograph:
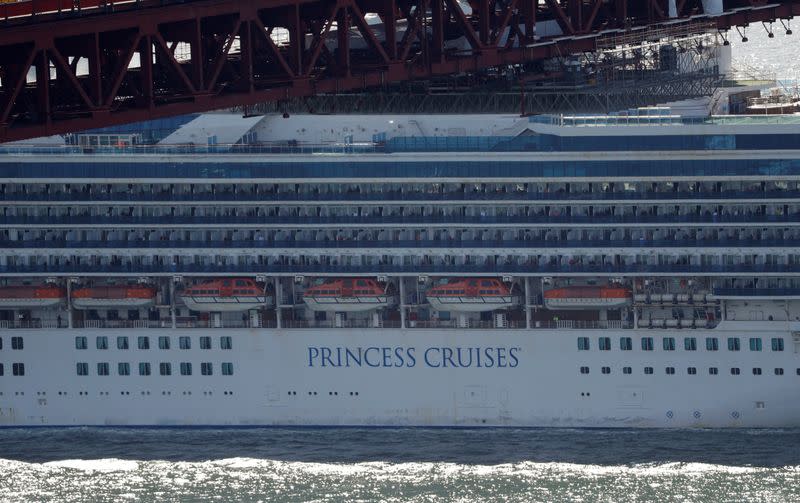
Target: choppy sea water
[425,465]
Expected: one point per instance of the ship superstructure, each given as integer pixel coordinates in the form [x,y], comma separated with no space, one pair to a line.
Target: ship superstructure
[628,270]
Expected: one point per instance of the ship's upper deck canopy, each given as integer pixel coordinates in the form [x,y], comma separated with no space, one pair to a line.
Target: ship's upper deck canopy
[643,129]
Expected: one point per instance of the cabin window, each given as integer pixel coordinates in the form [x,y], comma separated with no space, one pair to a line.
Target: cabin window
[361,282]
[755,343]
[124,369]
[144,369]
[605,343]
[185,342]
[670,370]
[691,371]
[627,370]
[735,371]
[778,371]
[777,344]
[584,370]
[583,343]
[712,344]
[734,344]
[1,343]
[165,369]
[17,343]
[205,342]
[756,371]
[625,343]
[18,369]
[102,369]
[227,369]
[206,369]
[240,282]
[668,343]
[648,370]
[102,342]
[122,342]
[713,371]
[225,342]
[647,343]
[144,342]
[163,342]
[2,371]
[186,369]
[81,343]
[82,368]
[605,370]
[690,343]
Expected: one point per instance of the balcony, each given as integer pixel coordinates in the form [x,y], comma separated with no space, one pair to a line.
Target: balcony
[412,220]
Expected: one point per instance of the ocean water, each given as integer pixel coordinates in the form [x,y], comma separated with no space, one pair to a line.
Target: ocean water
[412,464]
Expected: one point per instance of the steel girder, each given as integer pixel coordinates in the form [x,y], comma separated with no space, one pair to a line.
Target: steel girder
[69,65]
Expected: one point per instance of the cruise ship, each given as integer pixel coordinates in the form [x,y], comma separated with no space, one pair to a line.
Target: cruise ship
[630,270]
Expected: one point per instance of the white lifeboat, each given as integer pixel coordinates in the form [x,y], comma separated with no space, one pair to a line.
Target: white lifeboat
[471,295]
[587,297]
[114,297]
[225,295]
[22,297]
[343,295]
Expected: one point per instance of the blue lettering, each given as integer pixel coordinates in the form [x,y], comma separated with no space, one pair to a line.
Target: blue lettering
[447,356]
[487,352]
[428,361]
[412,360]
[501,357]
[313,354]
[478,356]
[326,357]
[366,357]
[355,357]
[514,360]
[398,354]
[463,362]
[387,357]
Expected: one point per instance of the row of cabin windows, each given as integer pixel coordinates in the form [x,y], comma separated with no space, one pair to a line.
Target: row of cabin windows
[17,369]
[145,369]
[668,344]
[778,371]
[143,342]
[16,343]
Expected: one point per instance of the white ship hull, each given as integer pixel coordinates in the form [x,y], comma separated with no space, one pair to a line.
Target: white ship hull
[414,377]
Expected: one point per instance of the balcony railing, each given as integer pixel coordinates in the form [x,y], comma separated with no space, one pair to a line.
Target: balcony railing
[419,220]
[379,269]
[372,244]
[359,196]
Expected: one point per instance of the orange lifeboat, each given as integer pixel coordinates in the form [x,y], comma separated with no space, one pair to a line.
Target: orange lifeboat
[470,295]
[17,297]
[347,295]
[113,297]
[587,297]
[227,294]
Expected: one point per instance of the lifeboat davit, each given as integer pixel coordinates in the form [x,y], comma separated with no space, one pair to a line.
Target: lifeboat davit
[113,297]
[347,295]
[20,297]
[470,295]
[228,295]
[587,297]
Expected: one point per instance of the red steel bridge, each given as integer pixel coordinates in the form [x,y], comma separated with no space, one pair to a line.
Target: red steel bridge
[69,65]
